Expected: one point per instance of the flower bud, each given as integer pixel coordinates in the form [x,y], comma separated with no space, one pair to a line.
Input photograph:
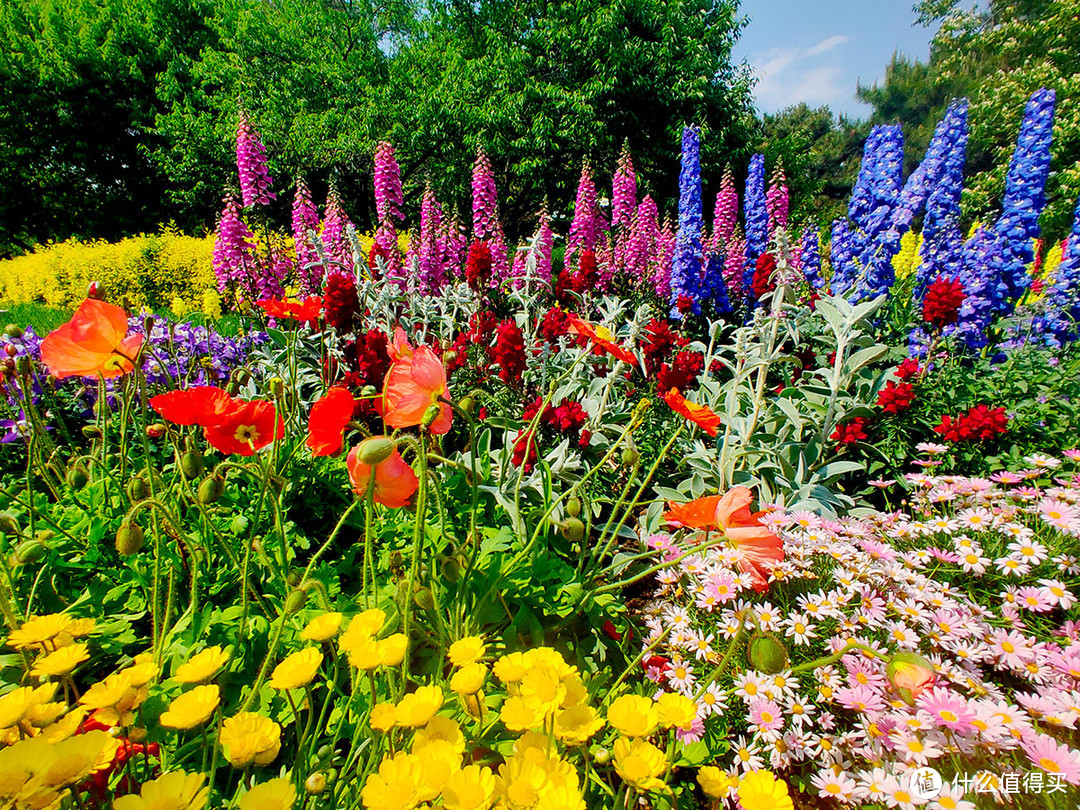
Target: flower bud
[295,601]
[211,489]
[369,391]
[630,456]
[293,578]
[468,404]
[10,350]
[93,290]
[239,524]
[315,783]
[767,654]
[430,415]
[277,387]
[30,551]
[22,364]
[241,375]
[573,506]
[91,431]
[148,324]
[13,331]
[602,756]
[232,388]
[129,538]
[138,489]
[77,477]
[910,675]
[450,568]
[156,430]
[573,530]
[375,450]
[191,463]
[8,524]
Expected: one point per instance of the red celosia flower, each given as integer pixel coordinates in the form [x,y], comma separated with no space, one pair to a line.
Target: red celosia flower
[478,265]
[601,337]
[229,425]
[326,425]
[908,369]
[701,415]
[684,304]
[508,353]
[764,275]
[394,480]
[340,301]
[525,451]
[306,310]
[247,428]
[978,424]
[896,398]
[851,432]
[414,384]
[93,343]
[941,306]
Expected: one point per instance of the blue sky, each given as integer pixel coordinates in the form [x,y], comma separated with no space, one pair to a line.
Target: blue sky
[818,50]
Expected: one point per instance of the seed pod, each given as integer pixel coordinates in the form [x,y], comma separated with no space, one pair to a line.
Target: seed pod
[91,431]
[138,489]
[13,331]
[315,783]
[573,506]
[450,568]
[8,523]
[295,601]
[630,456]
[29,551]
[191,463]
[77,477]
[430,415]
[424,599]
[211,489]
[767,654]
[375,450]
[129,538]
[573,530]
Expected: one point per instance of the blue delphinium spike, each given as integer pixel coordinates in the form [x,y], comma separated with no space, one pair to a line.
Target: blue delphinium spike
[757,219]
[686,265]
[810,257]
[1059,321]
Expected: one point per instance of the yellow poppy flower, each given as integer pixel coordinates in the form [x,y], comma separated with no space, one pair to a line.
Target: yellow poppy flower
[277,794]
[382,717]
[297,670]
[395,785]
[438,728]
[175,791]
[202,666]
[248,738]
[322,628]
[575,724]
[466,651]
[715,782]
[761,790]
[416,708]
[391,649]
[676,710]
[192,708]
[634,716]
[471,788]
[61,662]
[38,630]
[639,763]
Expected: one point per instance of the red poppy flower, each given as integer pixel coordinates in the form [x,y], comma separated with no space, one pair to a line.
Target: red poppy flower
[701,415]
[93,343]
[329,416]
[413,384]
[696,514]
[394,480]
[307,310]
[204,405]
[600,336]
[247,428]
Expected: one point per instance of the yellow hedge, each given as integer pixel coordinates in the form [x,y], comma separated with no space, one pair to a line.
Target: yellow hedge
[148,269]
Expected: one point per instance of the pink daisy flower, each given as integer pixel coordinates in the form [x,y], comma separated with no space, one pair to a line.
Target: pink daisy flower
[948,709]
[1053,757]
[765,718]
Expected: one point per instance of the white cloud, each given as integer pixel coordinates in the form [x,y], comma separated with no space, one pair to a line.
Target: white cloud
[790,75]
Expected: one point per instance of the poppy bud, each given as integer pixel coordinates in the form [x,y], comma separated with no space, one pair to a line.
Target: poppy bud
[375,450]
[93,290]
[277,387]
[13,331]
[910,675]
[369,391]
[602,756]
[295,601]
[23,364]
[233,388]
[293,578]
[211,489]
[191,463]
[315,783]
[77,477]
[630,457]
[573,506]
[156,430]
[767,654]
[468,404]
[8,524]
[29,551]
[10,350]
[424,599]
[9,364]
[450,568]
[129,538]
[430,415]
[450,355]
[148,324]
[91,431]
[137,489]
[573,530]
[241,375]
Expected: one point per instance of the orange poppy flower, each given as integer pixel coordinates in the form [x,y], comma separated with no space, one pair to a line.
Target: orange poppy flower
[93,343]
[758,548]
[701,415]
[413,384]
[329,416]
[307,310]
[395,482]
[399,348]
[601,337]
[247,428]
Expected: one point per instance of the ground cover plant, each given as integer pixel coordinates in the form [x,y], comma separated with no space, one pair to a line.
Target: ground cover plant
[632,520]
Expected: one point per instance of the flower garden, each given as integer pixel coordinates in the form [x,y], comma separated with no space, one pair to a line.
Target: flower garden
[661,512]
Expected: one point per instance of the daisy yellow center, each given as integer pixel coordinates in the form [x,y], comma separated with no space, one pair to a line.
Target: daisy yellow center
[834,789]
[247,433]
[1049,765]
[766,717]
[1008,647]
[751,689]
[948,716]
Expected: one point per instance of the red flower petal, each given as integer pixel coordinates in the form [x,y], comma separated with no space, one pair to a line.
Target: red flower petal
[205,405]
[329,416]
[249,427]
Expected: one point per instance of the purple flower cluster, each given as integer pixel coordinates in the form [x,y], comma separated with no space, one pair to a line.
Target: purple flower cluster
[1058,322]
[255,178]
[234,247]
[686,264]
[874,242]
[624,191]
[334,226]
[305,224]
[810,258]
[756,214]
[1025,193]
[485,210]
[725,213]
[777,200]
[181,353]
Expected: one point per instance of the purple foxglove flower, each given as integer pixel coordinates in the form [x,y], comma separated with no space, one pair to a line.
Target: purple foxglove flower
[255,178]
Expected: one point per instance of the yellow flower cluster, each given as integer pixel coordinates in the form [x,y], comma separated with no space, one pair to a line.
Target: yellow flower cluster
[364,650]
[1047,271]
[37,772]
[907,260]
[149,269]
